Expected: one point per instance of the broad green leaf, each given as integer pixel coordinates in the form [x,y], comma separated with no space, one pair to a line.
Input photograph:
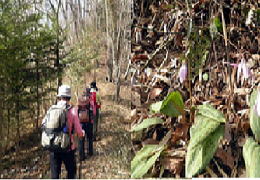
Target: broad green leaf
[198,156]
[205,135]
[143,154]
[253,97]
[254,118]
[173,105]
[251,151]
[156,107]
[209,111]
[147,123]
[146,157]
[202,129]
[144,166]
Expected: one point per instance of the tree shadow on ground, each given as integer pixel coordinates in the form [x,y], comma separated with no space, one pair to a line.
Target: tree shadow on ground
[24,155]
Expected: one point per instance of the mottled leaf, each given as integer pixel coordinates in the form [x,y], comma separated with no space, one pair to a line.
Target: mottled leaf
[198,156]
[254,118]
[144,160]
[209,111]
[251,151]
[143,154]
[143,166]
[205,135]
[147,123]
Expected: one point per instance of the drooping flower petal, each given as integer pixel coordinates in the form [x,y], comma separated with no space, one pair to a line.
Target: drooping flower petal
[183,72]
[257,104]
[239,69]
[243,71]
[246,71]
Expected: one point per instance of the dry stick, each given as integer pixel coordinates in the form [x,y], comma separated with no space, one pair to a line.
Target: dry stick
[212,174]
[189,63]
[167,40]
[227,54]
[220,170]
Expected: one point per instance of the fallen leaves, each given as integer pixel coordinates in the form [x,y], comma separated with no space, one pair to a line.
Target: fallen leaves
[168,43]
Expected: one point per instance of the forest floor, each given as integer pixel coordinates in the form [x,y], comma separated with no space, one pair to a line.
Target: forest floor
[112,155]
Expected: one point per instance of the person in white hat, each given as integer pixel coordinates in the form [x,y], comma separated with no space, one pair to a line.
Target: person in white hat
[73,123]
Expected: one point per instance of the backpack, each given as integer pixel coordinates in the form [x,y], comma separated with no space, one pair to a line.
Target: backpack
[84,115]
[55,135]
[93,102]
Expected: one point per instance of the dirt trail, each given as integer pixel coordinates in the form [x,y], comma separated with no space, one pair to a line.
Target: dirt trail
[112,154]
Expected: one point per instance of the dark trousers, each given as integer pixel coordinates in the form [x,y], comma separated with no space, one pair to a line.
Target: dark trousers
[68,158]
[96,124]
[88,128]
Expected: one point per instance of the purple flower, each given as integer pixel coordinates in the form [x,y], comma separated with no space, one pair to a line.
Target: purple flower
[243,70]
[183,72]
[257,104]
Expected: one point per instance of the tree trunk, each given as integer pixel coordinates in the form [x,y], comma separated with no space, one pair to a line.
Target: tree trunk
[37,95]
[109,48]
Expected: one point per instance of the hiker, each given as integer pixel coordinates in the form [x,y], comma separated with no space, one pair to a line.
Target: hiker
[59,124]
[95,102]
[86,122]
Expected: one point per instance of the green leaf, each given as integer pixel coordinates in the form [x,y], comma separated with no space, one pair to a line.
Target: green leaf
[144,153]
[147,123]
[200,131]
[215,26]
[173,105]
[144,160]
[205,77]
[209,111]
[147,156]
[251,151]
[205,135]
[156,107]
[198,156]
[254,118]
[253,97]
[144,166]
[217,23]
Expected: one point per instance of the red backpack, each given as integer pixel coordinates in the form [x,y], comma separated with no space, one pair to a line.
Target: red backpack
[93,102]
[84,111]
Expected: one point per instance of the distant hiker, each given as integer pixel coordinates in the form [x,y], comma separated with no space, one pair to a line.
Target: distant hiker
[86,121]
[58,126]
[95,102]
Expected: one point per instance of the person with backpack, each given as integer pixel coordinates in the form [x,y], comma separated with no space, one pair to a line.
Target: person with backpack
[95,102]
[86,122]
[59,125]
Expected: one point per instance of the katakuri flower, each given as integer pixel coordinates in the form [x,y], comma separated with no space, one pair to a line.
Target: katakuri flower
[183,72]
[243,70]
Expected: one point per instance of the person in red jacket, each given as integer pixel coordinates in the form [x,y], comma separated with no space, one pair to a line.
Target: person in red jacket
[68,157]
[95,103]
[86,122]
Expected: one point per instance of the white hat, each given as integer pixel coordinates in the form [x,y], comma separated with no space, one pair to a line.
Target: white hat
[64,91]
